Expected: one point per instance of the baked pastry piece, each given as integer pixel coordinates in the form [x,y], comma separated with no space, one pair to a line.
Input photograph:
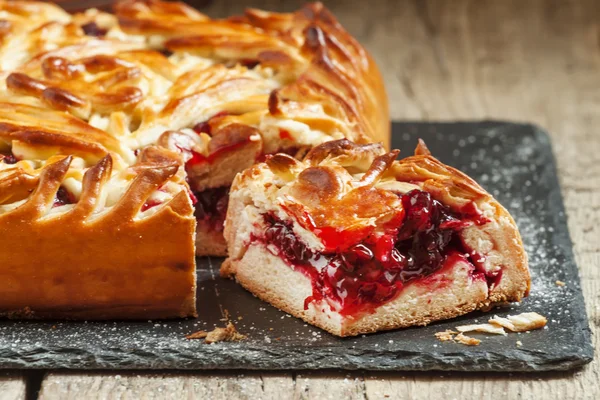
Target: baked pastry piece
[352,241]
[113,126]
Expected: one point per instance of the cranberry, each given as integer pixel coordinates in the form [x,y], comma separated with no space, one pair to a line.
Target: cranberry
[283,134]
[428,229]
[204,126]
[149,204]
[9,159]
[92,29]
[362,252]
[249,63]
[281,235]
[398,261]
[211,206]
[418,213]
[63,197]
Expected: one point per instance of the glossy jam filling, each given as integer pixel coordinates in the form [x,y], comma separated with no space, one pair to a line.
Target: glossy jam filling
[204,126]
[8,158]
[367,274]
[150,204]
[63,197]
[211,207]
[92,29]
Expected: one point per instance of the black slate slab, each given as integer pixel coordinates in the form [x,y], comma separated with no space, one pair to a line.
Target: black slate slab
[514,162]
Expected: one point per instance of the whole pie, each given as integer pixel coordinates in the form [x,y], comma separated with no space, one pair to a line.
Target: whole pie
[120,135]
[353,241]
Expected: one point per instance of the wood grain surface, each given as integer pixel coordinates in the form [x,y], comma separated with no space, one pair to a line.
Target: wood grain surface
[13,386]
[536,61]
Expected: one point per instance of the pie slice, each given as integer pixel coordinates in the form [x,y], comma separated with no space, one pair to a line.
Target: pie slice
[353,241]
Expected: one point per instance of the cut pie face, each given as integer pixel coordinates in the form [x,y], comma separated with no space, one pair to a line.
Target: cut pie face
[353,241]
[120,135]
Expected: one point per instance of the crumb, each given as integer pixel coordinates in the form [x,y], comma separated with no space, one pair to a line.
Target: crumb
[445,335]
[483,328]
[521,322]
[467,340]
[495,305]
[225,314]
[519,343]
[227,334]
[486,308]
[560,283]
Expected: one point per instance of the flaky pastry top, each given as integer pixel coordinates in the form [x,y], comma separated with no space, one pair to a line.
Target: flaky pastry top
[345,185]
[137,89]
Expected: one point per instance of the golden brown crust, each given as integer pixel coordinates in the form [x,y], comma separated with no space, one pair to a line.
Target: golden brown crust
[326,66]
[75,265]
[110,109]
[344,185]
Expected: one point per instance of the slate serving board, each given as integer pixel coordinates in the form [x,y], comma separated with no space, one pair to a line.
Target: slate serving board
[514,162]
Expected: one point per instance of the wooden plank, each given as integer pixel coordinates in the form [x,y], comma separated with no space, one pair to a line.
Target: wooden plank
[534,61]
[13,386]
[168,386]
[327,385]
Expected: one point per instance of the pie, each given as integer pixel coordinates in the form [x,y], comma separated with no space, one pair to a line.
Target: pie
[353,241]
[120,135]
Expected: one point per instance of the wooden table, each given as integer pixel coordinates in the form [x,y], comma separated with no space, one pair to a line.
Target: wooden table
[536,61]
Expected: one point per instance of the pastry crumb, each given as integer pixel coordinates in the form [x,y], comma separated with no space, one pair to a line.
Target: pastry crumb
[524,322]
[467,340]
[560,283]
[227,334]
[448,335]
[521,322]
[483,328]
[445,335]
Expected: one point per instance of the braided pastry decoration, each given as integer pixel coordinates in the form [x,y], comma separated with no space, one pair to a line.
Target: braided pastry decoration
[112,126]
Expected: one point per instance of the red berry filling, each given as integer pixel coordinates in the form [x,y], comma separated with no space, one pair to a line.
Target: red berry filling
[204,126]
[361,277]
[8,158]
[211,207]
[92,29]
[249,63]
[63,197]
[150,204]
[283,134]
